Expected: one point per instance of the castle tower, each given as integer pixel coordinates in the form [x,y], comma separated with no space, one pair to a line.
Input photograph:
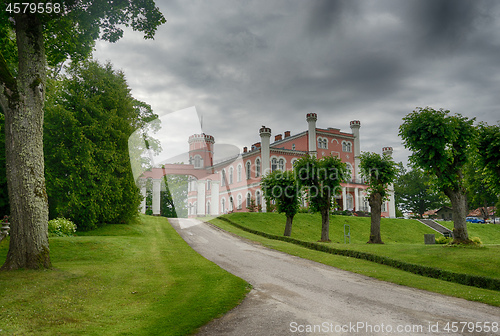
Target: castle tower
[355,125]
[265,136]
[311,133]
[201,150]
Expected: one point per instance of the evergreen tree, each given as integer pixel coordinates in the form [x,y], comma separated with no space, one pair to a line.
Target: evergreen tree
[88,121]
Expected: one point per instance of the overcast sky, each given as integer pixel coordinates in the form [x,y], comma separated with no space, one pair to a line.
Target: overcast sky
[244,64]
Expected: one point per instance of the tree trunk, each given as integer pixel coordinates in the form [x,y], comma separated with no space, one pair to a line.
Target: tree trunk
[459,205]
[325,225]
[23,107]
[375,201]
[288,226]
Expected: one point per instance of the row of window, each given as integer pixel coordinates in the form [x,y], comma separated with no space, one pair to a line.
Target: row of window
[323,144]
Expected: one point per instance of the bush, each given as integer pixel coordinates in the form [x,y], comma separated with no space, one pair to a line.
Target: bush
[61,227]
[443,240]
[477,241]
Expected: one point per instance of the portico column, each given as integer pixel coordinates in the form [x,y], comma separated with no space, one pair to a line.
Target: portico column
[344,198]
[356,199]
[143,194]
[201,198]
[156,197]
[214,203]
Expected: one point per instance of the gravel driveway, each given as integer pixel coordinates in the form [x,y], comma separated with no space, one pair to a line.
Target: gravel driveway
[294,296]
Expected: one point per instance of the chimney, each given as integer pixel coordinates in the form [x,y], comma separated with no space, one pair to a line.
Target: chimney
[287,134]
[277,137]
[245,149]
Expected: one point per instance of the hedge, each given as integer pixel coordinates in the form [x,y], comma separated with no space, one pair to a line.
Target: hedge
[430,272]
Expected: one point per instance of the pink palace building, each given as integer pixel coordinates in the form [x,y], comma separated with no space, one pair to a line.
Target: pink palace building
[230,185]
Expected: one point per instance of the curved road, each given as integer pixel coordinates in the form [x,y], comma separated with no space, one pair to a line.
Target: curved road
[294,296]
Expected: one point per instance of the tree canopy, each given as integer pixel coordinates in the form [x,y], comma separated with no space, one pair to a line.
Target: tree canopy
[414,192]
[440,145]
[379,171]
[281,187]
[321,178]
[88,120]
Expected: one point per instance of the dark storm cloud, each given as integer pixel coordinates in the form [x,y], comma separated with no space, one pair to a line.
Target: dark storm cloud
[445,25]
[248,63]
[324,15]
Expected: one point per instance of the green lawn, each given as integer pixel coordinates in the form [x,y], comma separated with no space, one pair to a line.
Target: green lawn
[140,279]
[403,241]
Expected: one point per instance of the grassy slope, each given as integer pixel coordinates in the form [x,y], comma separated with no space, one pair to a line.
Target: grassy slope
[138,279]
[271,223]
[403,240]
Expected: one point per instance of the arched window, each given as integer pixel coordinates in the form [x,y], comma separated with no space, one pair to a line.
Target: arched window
[346,146]
[293,162]
[240,201]
[231,204]
[349,171]
[223,178]
[223,204]
[274,164]
[231,173]
[257,197]
[249,197]
[257,167]
[281,164]
[248,170]
[197,161]
[238,173]
[323,143]
[349,202]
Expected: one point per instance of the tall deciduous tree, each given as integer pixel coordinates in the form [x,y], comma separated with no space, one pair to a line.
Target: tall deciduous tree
[281,187]
[322,179]
[69,29]
[379,171]
[440,144]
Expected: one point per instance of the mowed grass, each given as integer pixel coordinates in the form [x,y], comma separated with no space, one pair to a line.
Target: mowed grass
[403,241]
[140,279]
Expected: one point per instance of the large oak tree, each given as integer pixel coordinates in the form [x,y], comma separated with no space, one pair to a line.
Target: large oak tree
[43,39]
[441,144]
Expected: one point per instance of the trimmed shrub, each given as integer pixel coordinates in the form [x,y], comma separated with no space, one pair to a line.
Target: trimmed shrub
[61,227]
[430,272]
[443,240]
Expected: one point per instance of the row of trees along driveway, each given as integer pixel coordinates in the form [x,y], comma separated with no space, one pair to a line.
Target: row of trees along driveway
[320,180]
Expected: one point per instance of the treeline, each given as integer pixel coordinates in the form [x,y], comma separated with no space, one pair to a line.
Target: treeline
[89,116]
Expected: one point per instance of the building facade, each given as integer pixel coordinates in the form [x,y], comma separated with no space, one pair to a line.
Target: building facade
[232,185]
